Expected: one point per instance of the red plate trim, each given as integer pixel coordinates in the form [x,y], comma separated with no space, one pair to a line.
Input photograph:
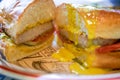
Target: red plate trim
[19,72]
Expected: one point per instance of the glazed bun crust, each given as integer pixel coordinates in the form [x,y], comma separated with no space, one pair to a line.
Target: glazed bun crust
[108,24]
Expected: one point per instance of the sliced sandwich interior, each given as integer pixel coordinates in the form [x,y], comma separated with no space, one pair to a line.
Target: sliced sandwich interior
[23,18]
[92,35]
[27,27]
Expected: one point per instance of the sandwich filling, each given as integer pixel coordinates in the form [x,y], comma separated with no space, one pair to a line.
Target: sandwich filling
[90,51]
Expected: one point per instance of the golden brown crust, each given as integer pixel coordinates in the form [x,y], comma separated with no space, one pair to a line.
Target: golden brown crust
[107,60]
[108,25]
[50,2]
[22,14]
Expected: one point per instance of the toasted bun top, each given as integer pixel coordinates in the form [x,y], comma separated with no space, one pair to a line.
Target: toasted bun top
[108,25]
[101,23]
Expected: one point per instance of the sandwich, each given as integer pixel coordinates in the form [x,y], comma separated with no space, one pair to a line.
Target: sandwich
[104,33]
[27,27]
[91,34]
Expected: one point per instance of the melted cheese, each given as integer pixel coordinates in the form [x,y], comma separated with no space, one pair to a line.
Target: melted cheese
[65,55]
[78,69]
[73,27]
[62,55]
[70,52]
[90,20]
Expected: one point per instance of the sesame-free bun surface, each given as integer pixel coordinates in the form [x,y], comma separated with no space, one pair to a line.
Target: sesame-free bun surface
[108,25]
[106,22]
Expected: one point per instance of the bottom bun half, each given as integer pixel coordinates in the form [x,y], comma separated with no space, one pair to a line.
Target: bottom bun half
[14,52]
[110,60]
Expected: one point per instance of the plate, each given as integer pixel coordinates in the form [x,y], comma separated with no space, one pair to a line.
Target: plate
[37,66]
[40,65]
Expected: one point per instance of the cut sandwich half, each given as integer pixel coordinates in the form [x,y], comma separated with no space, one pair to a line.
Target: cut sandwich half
[103,32]
[70,25]
[27,27]
[25,17]
[13,52]
[93,33]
